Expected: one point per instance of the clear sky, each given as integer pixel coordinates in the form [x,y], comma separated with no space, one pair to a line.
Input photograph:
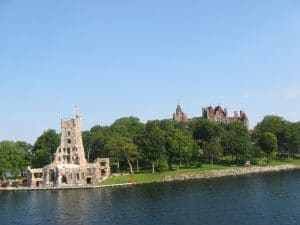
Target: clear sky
[121,58]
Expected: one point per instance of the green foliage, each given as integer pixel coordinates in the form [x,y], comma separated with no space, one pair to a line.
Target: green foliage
[268,142]
[179,146]
[94,142]
[127,126]
[293,138]
[120,146]
[14,157]
[236,141]
[204,130]
[44,148]
[164,142]
[212,149]
[161,165]
[152,143]
[257,151]
[276,125]
[40,158]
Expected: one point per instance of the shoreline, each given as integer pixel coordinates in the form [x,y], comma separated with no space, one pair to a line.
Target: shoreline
[230,172]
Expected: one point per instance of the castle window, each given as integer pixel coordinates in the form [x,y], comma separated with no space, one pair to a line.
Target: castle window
[69,133]
[77,176]
[69,141]
[60,150]
[69,150]
[38,175]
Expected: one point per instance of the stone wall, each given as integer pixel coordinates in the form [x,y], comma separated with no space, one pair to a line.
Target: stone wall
[69,167]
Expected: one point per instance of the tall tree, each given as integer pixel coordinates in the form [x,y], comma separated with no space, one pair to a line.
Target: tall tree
[293,138]
[44,148]
[152,143]
[204,130]
[276,125]
[237,141]
[94,142]
[14,158]
[179,147]
[127,127]
[121,146]
[130,127]
[268,143]
[212,149]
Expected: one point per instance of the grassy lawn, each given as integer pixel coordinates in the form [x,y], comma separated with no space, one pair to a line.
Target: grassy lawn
[149,177]
[278,162]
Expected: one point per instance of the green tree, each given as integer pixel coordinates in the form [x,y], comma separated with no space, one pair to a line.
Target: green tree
[268,143]
[276,125]
[204,130]
[293,138]
[152,143]
[179,147]
[47,145]
[14,158]
[127,127]
[236,141]
[130,127]
[94,142]
[212,149]
[40,158]
[120,146]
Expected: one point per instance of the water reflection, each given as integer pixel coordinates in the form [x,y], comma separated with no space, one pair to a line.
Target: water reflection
[259,199]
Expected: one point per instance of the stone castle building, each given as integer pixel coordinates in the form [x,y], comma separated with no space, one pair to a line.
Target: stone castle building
[69,167]
[220,115]
[217,114]
[179,115]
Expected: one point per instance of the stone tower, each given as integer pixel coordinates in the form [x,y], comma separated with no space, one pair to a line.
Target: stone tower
[71,149]
[179,115]
[69,167]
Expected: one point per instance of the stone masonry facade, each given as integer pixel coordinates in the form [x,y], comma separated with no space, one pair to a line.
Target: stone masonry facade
[70,167]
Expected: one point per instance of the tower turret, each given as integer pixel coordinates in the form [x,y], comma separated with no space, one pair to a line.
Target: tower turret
[71,150]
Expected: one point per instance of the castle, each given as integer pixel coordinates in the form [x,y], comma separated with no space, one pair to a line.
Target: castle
[69,167]
[217,114]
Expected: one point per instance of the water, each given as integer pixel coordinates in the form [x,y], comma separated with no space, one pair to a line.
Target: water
[256,199]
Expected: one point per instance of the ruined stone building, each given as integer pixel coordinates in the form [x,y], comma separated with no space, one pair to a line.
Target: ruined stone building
[69,167]
[216,114]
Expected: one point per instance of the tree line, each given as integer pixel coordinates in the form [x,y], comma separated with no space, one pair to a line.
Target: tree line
[164,144]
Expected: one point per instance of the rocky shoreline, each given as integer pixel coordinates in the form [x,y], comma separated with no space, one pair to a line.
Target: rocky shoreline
[234,171]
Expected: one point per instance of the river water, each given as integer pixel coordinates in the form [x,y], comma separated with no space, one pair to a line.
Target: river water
[256,199]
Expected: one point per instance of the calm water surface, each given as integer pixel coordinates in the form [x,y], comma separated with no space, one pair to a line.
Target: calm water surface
[257,199]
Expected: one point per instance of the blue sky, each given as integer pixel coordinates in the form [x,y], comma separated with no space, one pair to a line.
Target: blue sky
[121,58]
